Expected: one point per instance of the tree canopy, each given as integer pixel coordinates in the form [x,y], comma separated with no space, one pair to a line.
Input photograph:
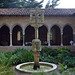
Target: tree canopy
[20,3]
[27,3]
[33,4]
[9,3]
[52,3]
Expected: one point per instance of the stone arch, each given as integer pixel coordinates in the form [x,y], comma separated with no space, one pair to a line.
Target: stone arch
[54,25]
[43,34]
[67,35]
[4,24]
[46,25]
[16,25]
[68,24]
[4,36]
[55,35]
[29,34]
[17,36]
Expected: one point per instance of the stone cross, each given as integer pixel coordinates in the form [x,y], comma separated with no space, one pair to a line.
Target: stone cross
[36,19]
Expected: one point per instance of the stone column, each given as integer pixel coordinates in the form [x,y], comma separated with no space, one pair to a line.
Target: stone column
[36,33]
[74,38]
[23,38]
[61,37]
[10,38]
[48,36]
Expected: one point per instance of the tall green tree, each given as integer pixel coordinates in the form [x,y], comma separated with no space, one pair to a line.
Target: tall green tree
[9,3]
[52,3]
[20,3]
[33,4]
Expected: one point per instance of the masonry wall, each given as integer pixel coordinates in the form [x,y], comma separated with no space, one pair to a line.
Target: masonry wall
[49,22]
[23,21]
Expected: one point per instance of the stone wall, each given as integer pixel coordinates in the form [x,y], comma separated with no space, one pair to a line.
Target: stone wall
[23,22]
[12,48]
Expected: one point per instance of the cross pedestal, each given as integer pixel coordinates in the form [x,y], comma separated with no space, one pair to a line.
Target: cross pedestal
[36,20]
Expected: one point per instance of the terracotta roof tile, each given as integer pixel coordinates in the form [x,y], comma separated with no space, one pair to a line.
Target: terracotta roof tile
[26,11]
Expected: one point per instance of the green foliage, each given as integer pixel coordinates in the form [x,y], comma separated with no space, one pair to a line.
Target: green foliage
[55,73]
[17,57]
[42,73]
[44,44]
[52,3]
[63,50]
[33,4]
[48,51]
[5,44]
[71,69]
[5,58]
[21,56]
[5,70]
[20,3]
[48,55]
[27,3]
[59,55]
[63,68]
[69,61]
[48,59]
[29,44]
[9,3]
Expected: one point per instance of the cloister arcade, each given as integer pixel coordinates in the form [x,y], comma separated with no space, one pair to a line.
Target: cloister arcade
[49,36]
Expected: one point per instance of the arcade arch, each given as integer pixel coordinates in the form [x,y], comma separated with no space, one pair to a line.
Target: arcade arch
[17,36]
[67,35]
[4,36]
[29,35]
[55,35]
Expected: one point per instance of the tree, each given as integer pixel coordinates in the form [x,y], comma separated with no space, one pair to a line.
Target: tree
[34,4]
[52,3]
[9,3]
[20,3]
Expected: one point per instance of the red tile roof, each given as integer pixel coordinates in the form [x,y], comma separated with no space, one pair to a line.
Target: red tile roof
[26,12]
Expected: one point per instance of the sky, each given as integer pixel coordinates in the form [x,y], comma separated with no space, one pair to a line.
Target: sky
[63,3]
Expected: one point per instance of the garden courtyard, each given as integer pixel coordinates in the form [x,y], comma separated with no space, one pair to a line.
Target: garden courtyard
[57,34]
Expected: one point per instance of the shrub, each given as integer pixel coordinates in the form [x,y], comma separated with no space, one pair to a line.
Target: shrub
[72,69]
[63,50]
[54,73]
[48,59]
[48,51]
[58,55]
[21,56]
[5,70]
[17,57]
[69,62]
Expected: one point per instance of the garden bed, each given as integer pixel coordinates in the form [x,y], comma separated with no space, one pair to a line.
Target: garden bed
[56,56]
